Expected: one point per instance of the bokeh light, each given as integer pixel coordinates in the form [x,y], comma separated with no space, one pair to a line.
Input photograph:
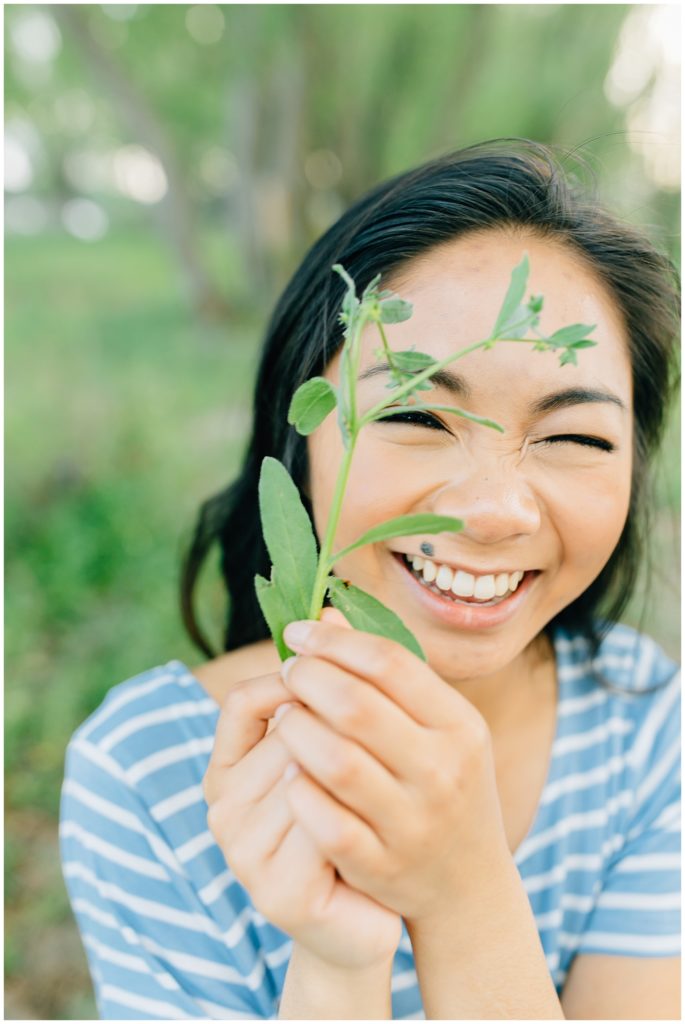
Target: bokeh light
[85,219]
[139,175]
[205,23]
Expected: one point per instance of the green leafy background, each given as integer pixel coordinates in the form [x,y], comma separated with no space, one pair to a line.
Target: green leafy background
[129,359]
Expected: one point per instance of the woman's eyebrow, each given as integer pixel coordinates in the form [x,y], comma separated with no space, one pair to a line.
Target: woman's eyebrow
[456,385]
[449,381]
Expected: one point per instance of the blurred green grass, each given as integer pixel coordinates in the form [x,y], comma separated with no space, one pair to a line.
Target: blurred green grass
[122,414]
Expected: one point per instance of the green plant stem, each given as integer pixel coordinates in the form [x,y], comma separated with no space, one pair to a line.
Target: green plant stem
[322,568]
[321,578]
[386,348]
[409,386]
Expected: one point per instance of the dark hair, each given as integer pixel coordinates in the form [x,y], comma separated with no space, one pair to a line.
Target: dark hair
[505,183]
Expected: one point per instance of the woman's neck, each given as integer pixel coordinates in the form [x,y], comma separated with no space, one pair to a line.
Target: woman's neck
[519,689]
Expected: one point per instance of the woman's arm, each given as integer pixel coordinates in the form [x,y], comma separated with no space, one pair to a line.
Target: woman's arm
[483,960]
[317,990]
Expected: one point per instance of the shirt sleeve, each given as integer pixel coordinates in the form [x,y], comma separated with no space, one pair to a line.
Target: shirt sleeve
[153,950]
[637,912]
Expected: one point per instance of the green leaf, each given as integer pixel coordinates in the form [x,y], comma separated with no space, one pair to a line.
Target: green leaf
[393,311]
[275,611]
[412,361]
[514,296]
[289,537]
[367,614]
[402,526]
[574,332]
[311,403]
[568,356]
[585,343]
[482,420]
[518,324]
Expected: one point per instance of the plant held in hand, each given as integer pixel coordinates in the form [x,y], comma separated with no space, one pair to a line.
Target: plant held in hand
[301,578]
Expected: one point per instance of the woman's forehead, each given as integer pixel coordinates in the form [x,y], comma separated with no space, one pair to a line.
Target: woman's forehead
[457,294]
[514,376]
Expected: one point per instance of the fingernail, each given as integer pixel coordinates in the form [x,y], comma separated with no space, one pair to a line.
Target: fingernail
[291,770]
[281,710]
[287,665]
[297,632]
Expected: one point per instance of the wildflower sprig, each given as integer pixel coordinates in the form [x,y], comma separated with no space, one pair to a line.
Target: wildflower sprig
[301,577]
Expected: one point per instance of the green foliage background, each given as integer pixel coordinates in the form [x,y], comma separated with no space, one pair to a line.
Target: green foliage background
[129,359]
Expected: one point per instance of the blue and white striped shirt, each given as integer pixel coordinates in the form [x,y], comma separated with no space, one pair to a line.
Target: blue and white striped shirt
[170,933]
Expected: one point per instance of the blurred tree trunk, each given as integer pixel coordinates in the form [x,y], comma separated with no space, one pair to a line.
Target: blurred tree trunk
[286,157]
[264,131]
[242,109]
[176,215]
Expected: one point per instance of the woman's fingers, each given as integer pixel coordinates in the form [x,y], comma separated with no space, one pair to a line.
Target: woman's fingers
[243,722]
[251,834]
[389,666]
[357,709]
[349,773]
[257,773]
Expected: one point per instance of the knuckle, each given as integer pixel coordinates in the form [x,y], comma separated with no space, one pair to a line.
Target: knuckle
[240,861]
[481,734]
[475,745]
[440,779]
[216,819]
[341,771]
[349,714]
[238,701]
[384,660]
[209,787]
[342,840]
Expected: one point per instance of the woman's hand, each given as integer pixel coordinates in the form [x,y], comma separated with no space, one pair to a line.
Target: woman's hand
[290,881]
[398,784]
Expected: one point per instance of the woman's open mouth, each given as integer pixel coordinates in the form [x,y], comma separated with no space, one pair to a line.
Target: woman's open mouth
[473,607]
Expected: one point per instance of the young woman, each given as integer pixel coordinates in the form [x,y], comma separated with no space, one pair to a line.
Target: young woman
[357,833]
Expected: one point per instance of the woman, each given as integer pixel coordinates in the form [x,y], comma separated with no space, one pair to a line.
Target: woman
[489,834]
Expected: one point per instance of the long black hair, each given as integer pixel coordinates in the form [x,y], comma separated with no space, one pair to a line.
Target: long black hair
[502,183]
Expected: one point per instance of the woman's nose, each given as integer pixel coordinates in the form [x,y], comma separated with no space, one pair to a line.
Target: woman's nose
[494,504]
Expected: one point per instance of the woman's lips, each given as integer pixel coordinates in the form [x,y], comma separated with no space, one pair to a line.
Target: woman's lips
[461,615]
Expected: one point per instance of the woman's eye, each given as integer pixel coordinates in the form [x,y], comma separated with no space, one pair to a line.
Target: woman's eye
[420,419]
[584,439]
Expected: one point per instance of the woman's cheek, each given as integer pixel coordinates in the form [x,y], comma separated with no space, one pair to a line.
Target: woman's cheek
[590,525]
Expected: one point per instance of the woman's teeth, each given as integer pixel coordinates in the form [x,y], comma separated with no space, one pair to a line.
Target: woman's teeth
[463,584]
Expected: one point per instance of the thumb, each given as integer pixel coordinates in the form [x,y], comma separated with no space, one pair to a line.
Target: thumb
[335,617]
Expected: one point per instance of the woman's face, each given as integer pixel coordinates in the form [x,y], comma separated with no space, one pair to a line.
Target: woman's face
[552,508]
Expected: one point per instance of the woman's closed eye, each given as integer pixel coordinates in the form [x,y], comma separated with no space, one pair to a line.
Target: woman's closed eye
[583,439]
[422,419]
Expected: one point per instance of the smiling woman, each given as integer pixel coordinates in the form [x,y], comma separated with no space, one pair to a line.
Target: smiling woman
[491,832]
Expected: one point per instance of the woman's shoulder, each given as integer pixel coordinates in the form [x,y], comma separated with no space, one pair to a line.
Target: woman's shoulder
[168,704]
[628,661]
[623,703]
[218,676]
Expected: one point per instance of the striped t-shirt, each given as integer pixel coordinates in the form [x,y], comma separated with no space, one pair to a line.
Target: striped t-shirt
[170,933]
